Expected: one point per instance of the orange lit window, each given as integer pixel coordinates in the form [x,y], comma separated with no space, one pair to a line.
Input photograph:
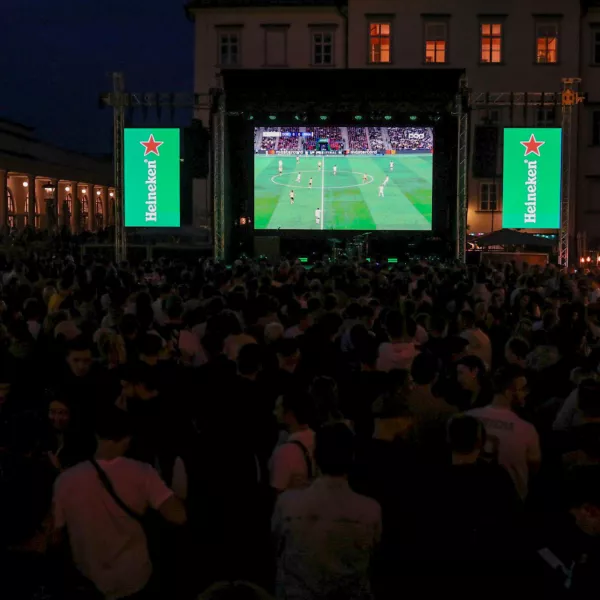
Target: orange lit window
[379,42]
[491,43]
[547,43]
[435,43]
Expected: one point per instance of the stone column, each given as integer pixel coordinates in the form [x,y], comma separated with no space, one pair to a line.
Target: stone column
[76,216]
[3,198]
[31,195]
[91,224]
[52,208]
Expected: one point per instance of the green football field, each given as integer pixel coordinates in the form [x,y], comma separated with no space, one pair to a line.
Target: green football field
[346,200]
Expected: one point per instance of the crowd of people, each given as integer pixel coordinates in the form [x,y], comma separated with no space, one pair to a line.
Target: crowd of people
[410,138]
[290,144]
[376,142]
[349,430]
[358,139]
[268,143]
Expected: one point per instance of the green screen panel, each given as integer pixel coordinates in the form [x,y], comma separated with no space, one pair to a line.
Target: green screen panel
[532,178]
[152,177]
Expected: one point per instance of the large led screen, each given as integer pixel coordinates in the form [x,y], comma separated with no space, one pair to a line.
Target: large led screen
[343,178]
[152,177]
[532,178]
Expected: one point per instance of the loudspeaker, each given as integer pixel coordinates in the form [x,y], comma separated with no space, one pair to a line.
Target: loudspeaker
[485,153]
[196,148]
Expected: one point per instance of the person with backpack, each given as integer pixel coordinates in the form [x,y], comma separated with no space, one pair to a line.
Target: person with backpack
[292,464]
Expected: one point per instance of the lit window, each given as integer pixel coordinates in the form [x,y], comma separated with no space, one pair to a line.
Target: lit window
[229,49]
[435,43]
[547,43]
[488,196]
[323,48]
[491,43]
[380,42]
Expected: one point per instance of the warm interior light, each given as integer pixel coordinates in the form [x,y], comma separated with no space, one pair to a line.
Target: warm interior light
[67,189]
[111,194]
[84,191]
[25,184]
[98,192]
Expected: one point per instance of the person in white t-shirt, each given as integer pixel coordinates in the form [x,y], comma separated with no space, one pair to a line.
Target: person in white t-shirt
[108,543]
[515,441]
[479,343]
[292,464]
[318,216]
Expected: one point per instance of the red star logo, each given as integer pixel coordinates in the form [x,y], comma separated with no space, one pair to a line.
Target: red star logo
[151,146]
[532,146]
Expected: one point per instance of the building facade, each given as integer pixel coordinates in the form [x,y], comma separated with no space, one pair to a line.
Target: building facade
[47,187]
[504,46]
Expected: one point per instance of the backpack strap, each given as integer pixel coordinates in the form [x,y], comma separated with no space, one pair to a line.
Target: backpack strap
[306,454]
[108,486]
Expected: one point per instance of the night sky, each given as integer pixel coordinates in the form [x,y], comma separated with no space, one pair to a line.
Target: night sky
[57,56]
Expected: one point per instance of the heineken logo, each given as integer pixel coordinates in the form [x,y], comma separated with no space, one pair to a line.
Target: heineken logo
[151,184]
[532,146]
[532,178]
[151,146]
[152,177]
[531,185]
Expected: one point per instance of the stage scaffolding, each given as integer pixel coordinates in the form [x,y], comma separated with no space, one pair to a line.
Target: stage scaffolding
[466,102]
[566,100]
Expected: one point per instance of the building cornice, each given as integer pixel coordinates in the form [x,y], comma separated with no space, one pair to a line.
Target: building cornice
[200,4]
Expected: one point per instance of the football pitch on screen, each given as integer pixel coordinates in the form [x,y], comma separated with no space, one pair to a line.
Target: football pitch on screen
[350,199]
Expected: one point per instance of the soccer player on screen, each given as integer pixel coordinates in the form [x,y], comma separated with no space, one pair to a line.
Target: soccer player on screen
[280,168]
[298,177]
[297,159]
[319,165]
[310,184]
[292,196]
[381,191]
[335,169]
[392,165]
[318,216]
[364,178]
[385,181]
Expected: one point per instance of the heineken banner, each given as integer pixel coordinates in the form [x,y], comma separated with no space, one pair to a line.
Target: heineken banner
[532,178]
[152,166]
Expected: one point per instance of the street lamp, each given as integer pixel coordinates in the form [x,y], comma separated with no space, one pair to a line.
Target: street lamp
[49,188]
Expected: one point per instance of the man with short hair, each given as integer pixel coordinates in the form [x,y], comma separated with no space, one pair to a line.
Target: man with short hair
[516,441]
[516,351]
[431,412]
[326,534]
[108,543]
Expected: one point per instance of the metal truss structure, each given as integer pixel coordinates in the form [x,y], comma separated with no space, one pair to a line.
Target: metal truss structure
[462,168]
[219,123]
[118,135]
[466,103]
[121,102]
[570,98]
[567,99]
